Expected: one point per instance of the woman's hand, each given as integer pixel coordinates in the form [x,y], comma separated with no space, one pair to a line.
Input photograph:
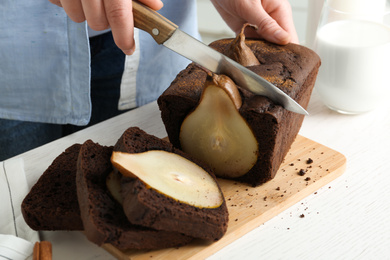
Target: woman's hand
[273,18]
[103,14]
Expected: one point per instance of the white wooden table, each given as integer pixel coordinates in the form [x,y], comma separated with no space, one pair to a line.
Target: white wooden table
[347,219]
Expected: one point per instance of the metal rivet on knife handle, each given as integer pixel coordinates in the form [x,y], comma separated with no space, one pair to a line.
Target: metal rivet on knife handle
[148,20]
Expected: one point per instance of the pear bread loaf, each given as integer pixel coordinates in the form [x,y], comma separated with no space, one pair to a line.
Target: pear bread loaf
[292,68]
[149,207]
[103,217]
[52,202]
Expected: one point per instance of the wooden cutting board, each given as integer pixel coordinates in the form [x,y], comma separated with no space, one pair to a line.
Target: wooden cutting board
[250,207]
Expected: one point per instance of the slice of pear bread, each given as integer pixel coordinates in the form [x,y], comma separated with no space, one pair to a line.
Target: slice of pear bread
[155,204]
[103,217]
[52,202]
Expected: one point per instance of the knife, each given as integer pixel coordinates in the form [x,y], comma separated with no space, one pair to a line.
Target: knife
[168,34]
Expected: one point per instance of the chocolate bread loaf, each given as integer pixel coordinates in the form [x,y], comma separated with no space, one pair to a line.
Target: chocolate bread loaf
[292,68]
[103,217]
[148,207]
[52,202]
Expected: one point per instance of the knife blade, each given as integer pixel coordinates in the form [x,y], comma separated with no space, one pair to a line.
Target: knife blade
[169,35]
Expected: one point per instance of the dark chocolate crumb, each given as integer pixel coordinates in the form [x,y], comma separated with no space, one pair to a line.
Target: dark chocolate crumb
[302,215]
[307,179]
[301,172]
[291,164]
[278,188]
[309,161]
[265,198]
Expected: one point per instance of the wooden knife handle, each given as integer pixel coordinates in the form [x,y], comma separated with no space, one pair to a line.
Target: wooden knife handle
[148,20]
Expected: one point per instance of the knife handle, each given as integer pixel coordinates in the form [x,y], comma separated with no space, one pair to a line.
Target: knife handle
[148,20]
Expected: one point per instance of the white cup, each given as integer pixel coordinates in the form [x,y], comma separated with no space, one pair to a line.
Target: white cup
[355,52]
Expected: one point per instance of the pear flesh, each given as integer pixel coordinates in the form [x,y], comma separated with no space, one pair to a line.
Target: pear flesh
[114,186]
[171,175]
[217,134]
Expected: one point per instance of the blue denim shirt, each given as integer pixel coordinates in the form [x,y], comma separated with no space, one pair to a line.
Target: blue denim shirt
[45,58]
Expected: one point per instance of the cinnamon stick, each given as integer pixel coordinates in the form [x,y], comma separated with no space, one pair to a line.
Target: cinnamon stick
[42,251]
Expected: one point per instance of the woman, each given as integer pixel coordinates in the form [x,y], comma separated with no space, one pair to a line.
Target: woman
[59,75]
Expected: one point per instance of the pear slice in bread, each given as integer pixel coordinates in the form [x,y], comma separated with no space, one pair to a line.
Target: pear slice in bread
[177,178]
